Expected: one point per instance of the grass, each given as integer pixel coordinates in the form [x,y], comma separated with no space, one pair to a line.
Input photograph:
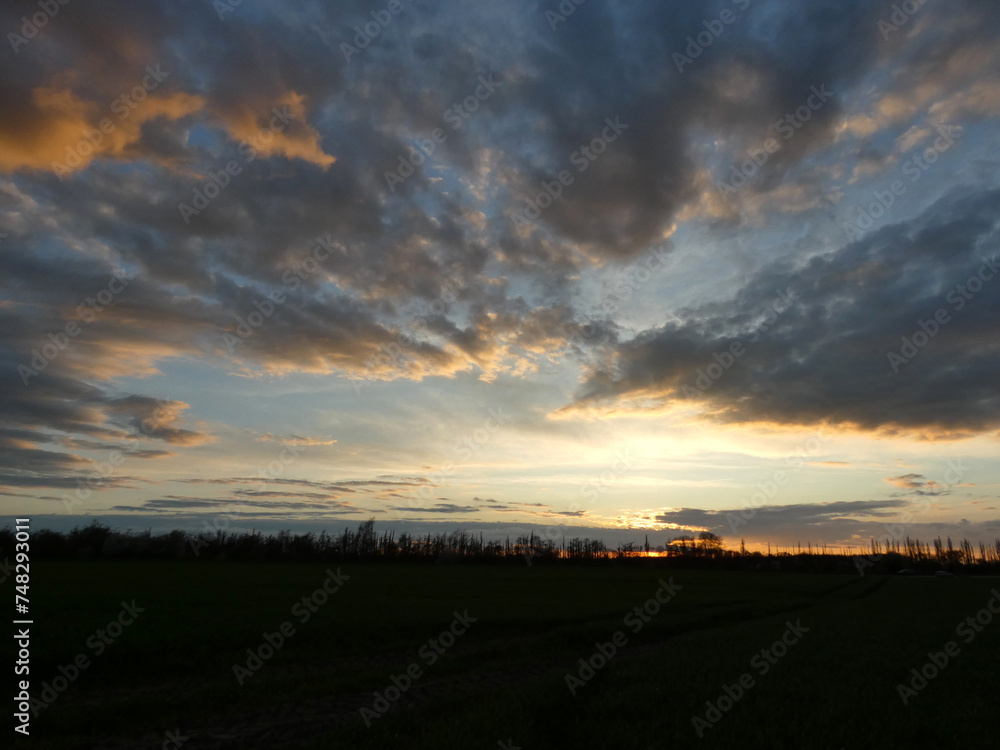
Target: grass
[505,678]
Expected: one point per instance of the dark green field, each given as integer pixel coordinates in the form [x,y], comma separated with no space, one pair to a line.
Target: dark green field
[503,681]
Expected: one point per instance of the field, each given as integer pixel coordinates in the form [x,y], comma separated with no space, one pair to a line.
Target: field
[476,656]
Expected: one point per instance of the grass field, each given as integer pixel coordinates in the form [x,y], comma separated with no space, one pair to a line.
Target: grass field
[502,681]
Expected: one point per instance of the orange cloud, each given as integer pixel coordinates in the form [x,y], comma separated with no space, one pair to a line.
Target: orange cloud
[65,133]
[282,131]
[68,133]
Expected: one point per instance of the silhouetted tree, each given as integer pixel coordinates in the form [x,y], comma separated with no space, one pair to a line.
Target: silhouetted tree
[709,543]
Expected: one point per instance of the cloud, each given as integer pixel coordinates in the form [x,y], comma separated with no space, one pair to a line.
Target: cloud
[834,522]
[156,419]
[282,131]
[918,484]
[61,123]
[335,486]
[50,422]
[237,507]
[440,508]
[908,481]
[292,439]
[824,358]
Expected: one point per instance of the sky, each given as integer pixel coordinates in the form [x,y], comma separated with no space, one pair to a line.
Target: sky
[587,268]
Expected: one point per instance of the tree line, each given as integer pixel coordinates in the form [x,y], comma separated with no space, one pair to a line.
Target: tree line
[366,543]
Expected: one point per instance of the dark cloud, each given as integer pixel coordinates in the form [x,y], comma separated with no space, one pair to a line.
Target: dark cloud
[844,522]
[238,506]
[440,508]
[825,357]
[52,417]
[336,486]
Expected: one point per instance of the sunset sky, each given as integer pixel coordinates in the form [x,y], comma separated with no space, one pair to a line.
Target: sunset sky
[500,266]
